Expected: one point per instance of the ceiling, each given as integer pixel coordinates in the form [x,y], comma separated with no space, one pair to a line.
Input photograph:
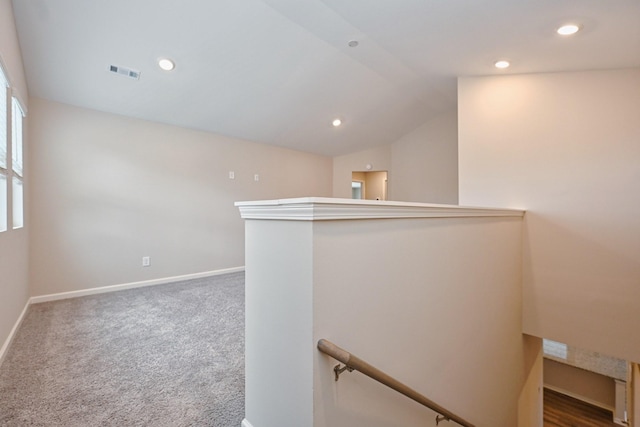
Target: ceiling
[279,71]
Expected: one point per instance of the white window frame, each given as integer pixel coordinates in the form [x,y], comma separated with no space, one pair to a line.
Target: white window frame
[12,115]
[5,169]
[17,163]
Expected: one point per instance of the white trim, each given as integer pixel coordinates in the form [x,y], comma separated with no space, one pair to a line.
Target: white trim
[322,209]
[12,334]
[582,398]
[132,285]
[620,412]
[245,423]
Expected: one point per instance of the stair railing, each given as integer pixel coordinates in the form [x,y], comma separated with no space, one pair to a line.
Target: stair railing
[352,363]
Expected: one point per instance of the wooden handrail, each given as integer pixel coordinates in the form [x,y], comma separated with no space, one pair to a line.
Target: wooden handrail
[354,363]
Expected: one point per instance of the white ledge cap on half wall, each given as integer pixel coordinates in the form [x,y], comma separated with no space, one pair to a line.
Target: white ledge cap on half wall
[322,209]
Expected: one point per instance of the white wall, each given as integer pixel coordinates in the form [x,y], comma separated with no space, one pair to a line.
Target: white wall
[343,167]
[108,190]
[425,162]
[278,324]
[565,147]
[422,165]
[14,289]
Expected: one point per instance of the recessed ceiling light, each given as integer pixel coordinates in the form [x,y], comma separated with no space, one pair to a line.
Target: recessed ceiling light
[567,30]
[166,64]
[336,122]
[502,64]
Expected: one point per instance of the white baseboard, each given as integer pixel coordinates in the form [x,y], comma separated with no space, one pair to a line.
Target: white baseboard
[132,285]
[12,334]
[245,423]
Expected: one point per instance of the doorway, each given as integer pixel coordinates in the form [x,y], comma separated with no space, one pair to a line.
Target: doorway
[369,185]
[357,190]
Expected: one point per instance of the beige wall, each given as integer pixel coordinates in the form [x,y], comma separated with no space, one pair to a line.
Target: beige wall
[448,326]
[589,386]
[377,185]
[530,402]
[108,190]
[425,163]
[565,147]
[13,243]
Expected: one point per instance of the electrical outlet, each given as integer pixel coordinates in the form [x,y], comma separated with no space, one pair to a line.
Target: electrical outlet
[146,261]
[232,175]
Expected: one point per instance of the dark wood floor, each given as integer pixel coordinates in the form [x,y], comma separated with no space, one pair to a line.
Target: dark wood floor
[564,411]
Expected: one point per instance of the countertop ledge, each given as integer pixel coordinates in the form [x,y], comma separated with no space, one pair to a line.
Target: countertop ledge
[324,209]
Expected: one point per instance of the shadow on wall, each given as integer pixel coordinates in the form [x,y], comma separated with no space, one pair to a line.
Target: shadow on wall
[577,289]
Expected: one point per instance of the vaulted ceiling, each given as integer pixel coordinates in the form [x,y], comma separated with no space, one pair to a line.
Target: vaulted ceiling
[279,71]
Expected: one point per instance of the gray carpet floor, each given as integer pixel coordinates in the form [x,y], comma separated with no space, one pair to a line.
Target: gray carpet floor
[165,355]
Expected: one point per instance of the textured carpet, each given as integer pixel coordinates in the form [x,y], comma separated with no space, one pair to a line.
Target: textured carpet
[166,355]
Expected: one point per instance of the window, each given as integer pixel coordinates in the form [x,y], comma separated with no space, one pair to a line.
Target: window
[11,158]
[4,172]
[17,116]
[555,349]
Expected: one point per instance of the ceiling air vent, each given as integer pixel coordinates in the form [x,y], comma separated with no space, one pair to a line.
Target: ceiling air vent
[125,71]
